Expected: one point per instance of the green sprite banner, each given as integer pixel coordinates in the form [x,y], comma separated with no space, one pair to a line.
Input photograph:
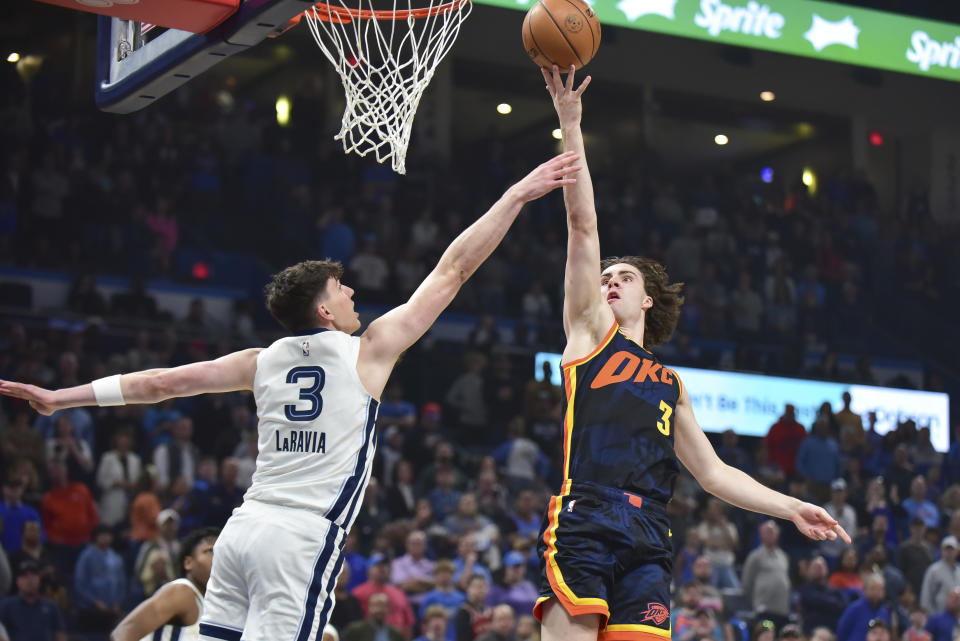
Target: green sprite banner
[800,27]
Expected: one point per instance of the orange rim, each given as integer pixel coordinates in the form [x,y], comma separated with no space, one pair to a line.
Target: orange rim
[330,13]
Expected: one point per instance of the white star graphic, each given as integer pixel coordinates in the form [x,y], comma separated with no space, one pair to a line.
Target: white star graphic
[634,9]
[824,33]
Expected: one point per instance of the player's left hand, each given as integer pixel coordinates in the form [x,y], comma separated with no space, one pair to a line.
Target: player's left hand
[39,398]
[566,99]
[556,172]
[814,522]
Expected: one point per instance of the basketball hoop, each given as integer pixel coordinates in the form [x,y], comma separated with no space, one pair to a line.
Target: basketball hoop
[384,66]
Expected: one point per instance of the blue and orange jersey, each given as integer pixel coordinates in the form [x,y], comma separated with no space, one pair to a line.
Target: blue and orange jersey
[618,419]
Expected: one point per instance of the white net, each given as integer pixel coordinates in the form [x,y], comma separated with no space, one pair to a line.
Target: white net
[386,59]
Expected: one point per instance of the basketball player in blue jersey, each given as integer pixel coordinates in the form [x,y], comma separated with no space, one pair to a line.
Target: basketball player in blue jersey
[278,557]
[606,549]
[173,612]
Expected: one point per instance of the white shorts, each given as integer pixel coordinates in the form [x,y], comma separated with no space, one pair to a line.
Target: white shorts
[274,570]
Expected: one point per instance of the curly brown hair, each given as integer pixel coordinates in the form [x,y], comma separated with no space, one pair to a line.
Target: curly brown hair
[293,293]
[661,319]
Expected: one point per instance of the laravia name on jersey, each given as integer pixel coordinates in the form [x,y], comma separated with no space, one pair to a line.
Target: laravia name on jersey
[302,441]
[623,365]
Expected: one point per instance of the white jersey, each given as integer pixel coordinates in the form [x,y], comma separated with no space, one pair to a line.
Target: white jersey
[316,426]
[177,632]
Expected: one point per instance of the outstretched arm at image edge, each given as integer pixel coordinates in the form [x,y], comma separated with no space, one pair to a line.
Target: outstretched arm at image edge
[230,373]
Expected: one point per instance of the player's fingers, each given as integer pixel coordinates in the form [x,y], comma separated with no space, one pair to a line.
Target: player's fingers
[566,171]
[565,158]
[13,389]
[557,82]
[583,86]
[571,72]
[547,79]
[843,533]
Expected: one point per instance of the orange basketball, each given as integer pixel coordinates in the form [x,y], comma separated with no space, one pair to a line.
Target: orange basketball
[562,33]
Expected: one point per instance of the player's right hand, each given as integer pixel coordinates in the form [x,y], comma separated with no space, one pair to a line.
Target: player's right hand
[554,173]
[39,398]
[566,99]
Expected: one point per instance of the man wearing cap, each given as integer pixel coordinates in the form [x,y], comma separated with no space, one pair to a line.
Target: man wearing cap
[704,626]
[516,591]
[13,512]
[843,512]
[853,624]
[154,565]
[878,630]
[941,577]
[400,614]
[27,615]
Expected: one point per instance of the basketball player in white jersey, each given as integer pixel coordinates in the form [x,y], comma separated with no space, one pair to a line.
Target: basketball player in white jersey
[173,612]
[278,557]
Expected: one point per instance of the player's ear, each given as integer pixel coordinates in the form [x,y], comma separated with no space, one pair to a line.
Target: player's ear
[187,563]
[647,303]
[324,313]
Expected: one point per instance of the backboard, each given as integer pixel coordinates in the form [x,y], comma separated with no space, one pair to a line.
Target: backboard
[138,63]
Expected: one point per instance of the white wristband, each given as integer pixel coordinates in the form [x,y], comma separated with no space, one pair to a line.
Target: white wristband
[107,391]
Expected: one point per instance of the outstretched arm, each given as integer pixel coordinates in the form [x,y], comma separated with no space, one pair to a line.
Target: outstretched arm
[391,334]
[229,373]
[174,602]
[586,317]
[740,489]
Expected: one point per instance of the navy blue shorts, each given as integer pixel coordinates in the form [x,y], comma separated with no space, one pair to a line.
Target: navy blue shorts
[608,552]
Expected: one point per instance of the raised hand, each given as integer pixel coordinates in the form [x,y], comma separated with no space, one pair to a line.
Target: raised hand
[566,99]
[545,178]
[39,398]
[815,523]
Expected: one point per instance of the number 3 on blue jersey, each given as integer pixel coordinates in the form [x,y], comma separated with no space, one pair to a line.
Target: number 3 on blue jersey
[310,393]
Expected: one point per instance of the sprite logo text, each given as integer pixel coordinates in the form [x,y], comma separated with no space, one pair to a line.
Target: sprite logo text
[927,52]
[753,20]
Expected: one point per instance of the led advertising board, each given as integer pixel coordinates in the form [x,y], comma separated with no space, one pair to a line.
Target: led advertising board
[822,30]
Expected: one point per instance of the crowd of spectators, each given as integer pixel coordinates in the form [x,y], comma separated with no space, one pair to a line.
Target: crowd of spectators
[96,499]
[766,265]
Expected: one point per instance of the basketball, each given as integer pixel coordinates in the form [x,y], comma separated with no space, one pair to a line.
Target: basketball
[562,33]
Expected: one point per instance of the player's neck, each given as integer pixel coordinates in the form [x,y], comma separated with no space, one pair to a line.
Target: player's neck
[633,330]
